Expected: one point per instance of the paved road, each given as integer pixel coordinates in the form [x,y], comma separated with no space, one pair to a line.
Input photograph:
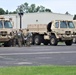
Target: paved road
[38,55]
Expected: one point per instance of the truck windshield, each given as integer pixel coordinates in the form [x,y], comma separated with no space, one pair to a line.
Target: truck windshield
[7,24]
[71,25]
[1,26]
[63,24]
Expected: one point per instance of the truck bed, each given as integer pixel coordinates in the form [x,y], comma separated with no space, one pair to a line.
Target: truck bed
[38,28]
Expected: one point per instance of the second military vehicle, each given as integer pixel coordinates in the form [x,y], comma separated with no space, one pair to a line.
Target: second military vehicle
[53,32]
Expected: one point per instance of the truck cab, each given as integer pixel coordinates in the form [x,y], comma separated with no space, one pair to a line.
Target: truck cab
[62,31]
[7,33]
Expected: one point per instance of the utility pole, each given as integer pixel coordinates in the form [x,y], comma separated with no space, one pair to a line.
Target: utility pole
[20,14]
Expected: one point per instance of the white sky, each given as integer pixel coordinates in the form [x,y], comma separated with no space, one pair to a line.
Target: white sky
[57,6]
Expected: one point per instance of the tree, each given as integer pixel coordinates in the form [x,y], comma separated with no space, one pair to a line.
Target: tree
[74,18]
[2,11]
[6,12]
[47,10]
[42,9]
[14,12]
[26,7]
[67,13]
[32,8]
[20,8]
[23,8]
[37,9]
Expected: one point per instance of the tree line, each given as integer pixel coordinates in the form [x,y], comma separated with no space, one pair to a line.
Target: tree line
[26,8]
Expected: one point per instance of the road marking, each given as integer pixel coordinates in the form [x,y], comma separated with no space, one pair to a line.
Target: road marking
[23,63]
[61,52]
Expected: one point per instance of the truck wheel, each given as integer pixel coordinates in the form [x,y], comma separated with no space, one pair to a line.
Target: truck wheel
[14,42]
[69,42]
[31,40]
[53,40]
[46,42]
[28,42]
[7,44]
[37,40]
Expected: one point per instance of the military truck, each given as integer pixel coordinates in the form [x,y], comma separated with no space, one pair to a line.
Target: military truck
[12,37]
[7,33]
[53,32]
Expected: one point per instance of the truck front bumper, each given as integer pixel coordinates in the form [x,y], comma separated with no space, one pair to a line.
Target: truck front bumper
[66,37]
[5,38]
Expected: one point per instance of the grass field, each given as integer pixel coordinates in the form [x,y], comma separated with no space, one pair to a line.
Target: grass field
[39,70]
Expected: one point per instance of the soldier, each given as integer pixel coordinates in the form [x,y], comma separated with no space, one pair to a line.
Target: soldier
[22,40]
[28,39]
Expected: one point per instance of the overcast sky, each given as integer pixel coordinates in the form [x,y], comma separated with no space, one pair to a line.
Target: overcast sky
[57,6]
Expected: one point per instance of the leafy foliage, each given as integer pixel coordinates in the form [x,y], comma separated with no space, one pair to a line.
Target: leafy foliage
[67,13]
[31,8]
[2,11]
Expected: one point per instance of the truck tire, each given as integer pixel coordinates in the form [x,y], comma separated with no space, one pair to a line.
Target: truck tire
[69,42]
[7,44]
[31,39]
[14,42]
[28,42]
[37,40]
[53,40]
[46,42]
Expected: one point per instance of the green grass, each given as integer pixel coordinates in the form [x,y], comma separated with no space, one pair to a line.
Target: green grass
[39,70]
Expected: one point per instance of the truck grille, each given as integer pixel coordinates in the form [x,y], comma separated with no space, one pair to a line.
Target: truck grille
[67,32]
[3,33]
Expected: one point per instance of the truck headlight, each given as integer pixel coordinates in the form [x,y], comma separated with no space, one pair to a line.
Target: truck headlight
[74,33]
